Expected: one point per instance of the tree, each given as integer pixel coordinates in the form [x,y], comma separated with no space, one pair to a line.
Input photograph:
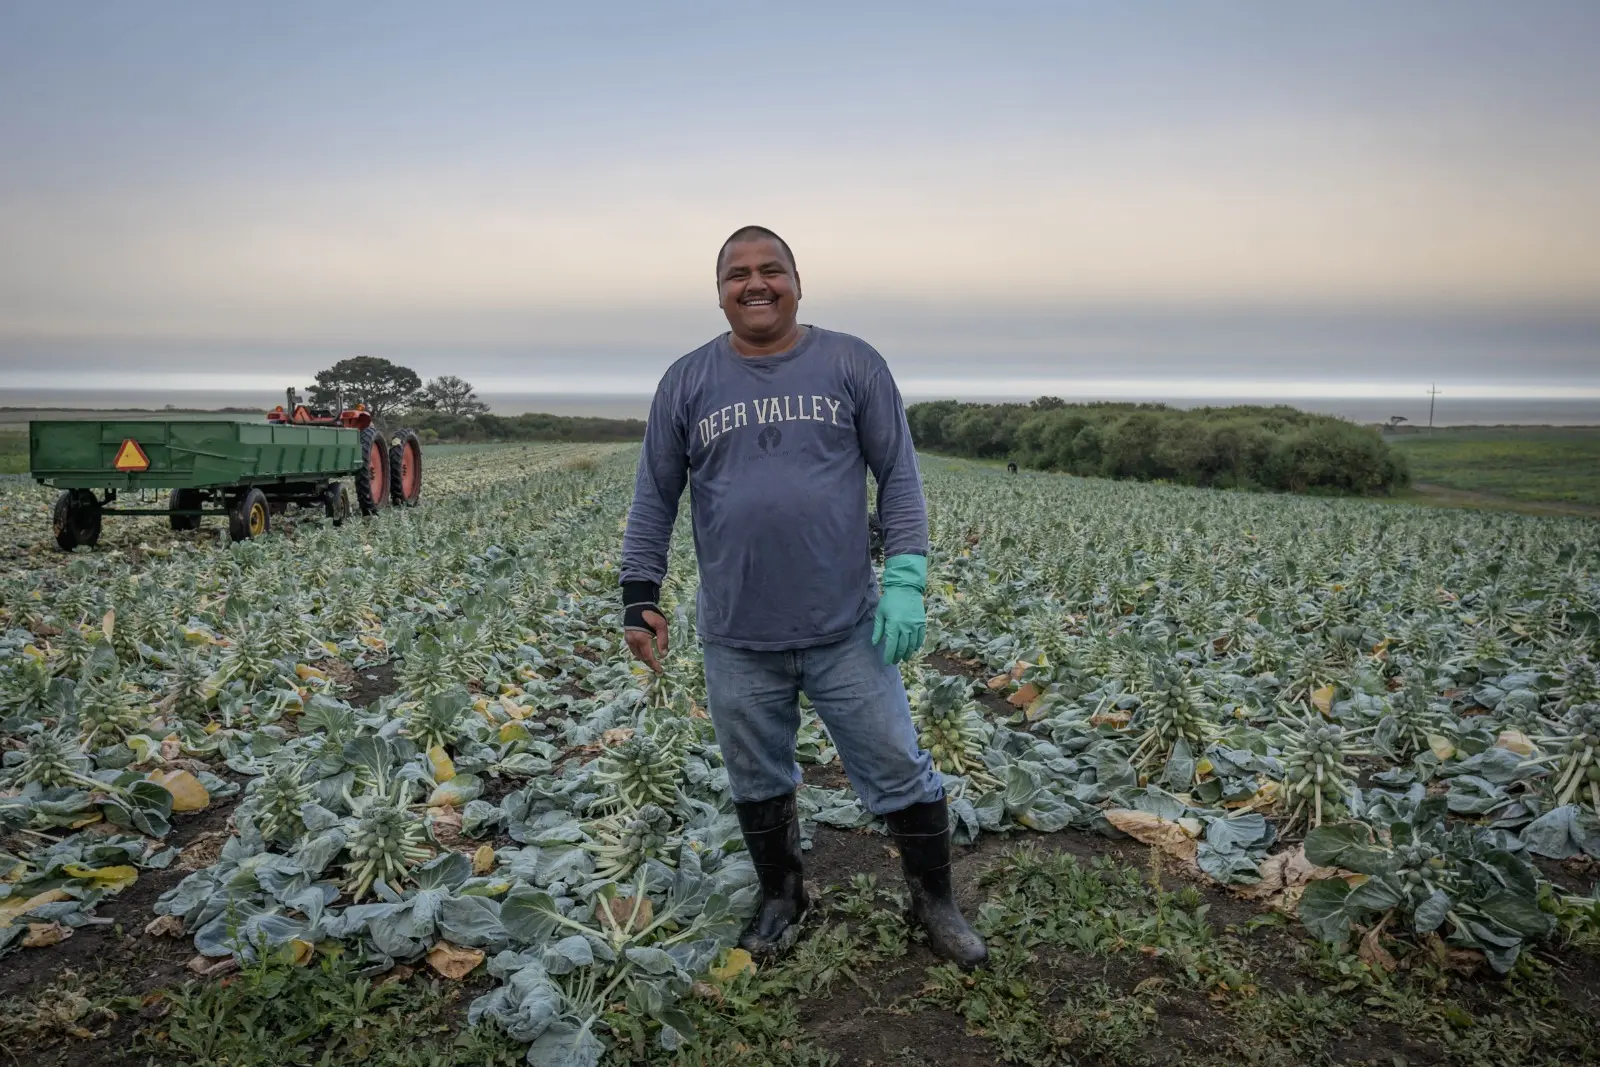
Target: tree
[451,396]
[385,388]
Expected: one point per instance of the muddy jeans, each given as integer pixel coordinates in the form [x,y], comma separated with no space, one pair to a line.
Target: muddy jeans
[755,708]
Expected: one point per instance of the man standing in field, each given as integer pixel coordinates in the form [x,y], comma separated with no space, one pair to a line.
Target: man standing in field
[774,426]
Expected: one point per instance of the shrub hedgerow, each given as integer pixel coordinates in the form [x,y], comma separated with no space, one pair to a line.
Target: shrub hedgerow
[1243,447]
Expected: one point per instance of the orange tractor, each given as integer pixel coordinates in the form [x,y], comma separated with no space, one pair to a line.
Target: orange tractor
[392,471]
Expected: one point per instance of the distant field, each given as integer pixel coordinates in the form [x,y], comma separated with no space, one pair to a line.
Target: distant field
[1526,463]
[16,419]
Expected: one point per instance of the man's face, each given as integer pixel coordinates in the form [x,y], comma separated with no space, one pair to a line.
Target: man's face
[760,291]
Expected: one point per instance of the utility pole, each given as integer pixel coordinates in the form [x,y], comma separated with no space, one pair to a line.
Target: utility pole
[1433,391]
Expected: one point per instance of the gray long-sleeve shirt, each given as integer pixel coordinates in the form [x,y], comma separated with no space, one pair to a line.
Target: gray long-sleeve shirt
[775,451]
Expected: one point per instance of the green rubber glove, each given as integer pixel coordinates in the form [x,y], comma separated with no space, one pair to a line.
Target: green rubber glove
[901,623]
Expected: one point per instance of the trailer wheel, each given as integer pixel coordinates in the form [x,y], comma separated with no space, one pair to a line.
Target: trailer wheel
[337,502]
[372,480]
[405,468]
[250,515]
[76,520]
[183,500]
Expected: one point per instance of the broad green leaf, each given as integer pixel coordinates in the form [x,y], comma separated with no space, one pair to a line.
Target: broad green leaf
[566,1045]
[1347,845]
[1519,914]
[651,960]
[529,915]
[1430,914]
[1322,909]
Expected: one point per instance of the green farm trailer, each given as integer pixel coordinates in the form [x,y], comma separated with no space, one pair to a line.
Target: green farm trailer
[245,471]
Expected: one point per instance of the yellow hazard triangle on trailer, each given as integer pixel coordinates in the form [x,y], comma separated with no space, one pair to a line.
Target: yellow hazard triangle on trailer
[130,457]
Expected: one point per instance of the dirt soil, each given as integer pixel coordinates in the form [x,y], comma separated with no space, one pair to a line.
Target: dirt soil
[119,956]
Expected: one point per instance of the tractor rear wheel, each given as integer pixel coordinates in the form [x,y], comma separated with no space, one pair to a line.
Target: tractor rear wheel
[337,502]
[405,468]
[76,519]
[183,500]
[372,480]
[250,515]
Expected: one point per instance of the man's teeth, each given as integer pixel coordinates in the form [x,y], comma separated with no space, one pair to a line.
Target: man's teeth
[756,303]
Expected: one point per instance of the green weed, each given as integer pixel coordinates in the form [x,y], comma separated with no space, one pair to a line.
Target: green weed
[275,1015]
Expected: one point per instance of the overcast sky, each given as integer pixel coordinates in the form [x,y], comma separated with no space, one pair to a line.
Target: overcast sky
[1374,194]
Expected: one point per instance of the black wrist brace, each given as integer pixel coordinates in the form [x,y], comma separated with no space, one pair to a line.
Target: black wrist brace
[638,598]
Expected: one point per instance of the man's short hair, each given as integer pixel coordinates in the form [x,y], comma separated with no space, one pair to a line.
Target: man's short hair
[753,233]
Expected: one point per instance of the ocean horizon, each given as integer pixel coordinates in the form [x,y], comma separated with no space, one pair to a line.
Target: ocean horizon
[1475,411]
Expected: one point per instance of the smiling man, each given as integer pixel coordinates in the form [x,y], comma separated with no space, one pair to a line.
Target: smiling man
[773,426]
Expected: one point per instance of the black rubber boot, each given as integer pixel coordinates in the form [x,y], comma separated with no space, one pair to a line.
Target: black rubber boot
[772,834]
[922,833]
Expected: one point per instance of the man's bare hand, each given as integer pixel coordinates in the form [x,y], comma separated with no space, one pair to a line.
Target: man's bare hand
[649,649]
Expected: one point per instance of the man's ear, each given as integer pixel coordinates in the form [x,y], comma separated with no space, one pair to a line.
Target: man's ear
[797,293]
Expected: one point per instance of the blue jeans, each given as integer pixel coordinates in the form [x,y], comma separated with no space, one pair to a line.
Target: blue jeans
[755,709]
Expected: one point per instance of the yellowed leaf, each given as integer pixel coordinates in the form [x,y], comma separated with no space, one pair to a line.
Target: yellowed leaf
[453,961]
[737,963]
[118,878]
[108,623]
[87,820]
[1151,829]
[1283,878]
[1373,953]
[187,792]
[1024,696]
[300,951]
[1515,741]
[1441,747]
[616,735]
[43,935]
[1203,767]
[164,926]
[483,859]
[1000,681]
[1322,699]
[1192,827]
[11,907]
[444,767]
[514,731]
[305,671]
[32,650]
[212,966]
[400,972]
[626,914]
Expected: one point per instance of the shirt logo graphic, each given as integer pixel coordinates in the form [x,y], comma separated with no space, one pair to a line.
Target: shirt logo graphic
[769,438]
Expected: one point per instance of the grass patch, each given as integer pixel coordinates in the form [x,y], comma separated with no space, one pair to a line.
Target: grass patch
[276,1015]
[13,452]
[1529,463]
